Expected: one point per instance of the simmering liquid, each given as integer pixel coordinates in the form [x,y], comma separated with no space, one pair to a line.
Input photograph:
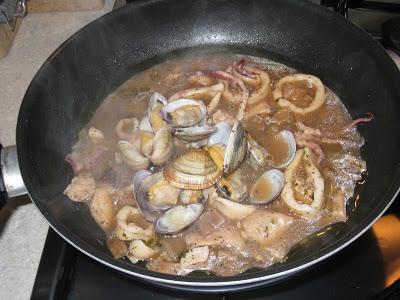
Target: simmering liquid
[230,235]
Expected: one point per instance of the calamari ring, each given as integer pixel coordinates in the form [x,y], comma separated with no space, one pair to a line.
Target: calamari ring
[287,194]
[319,97]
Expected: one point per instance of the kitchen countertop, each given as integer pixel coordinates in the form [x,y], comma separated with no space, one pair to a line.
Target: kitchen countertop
[22,228]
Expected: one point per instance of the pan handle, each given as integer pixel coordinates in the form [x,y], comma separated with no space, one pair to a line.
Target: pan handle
[11,183]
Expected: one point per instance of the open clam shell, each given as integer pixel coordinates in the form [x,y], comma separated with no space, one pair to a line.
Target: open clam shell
[184,112]
[221,135]
[145,125]
[232,187]
[236,149]
[178,218]
[156,103]
[194,134]
[289,139]
[193,170]
[259,156]
[142,205]
[267,187]
[153,186]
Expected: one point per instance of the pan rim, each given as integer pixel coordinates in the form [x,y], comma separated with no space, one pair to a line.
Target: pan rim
[185,280]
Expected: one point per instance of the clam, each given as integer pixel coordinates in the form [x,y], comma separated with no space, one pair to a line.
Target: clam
[184,113]
[178,218]
[145,125]
[154,194]
[193,196]
[258,154]
[221,135]
[289,140]
[163,146]
[156,103]
[236,149]
[142,206]
[217,153]
[132,156]
[146,143]
[193,170]
[194,134]
[232,187]
[267,187]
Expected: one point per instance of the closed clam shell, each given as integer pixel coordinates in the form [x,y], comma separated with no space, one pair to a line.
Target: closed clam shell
[178,218]
[193,170]
[267,187]
[236,149]
[184,112]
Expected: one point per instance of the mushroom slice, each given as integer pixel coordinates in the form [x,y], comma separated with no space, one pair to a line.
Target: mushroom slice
[141,251]
[156,103]
[178,218]
[265,227]
[267,187]
[163,146]
[194,256]
[319,97]
[312,172]
[184,112]
[232,210]
[132,156]
[236,149]
[81,188]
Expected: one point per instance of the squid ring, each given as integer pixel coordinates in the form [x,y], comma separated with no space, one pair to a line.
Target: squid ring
[319,97]
[287,194]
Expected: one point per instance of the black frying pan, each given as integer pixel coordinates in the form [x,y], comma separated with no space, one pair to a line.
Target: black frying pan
[73,82]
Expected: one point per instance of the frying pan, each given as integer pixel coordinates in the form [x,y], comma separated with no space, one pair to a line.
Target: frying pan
[77,77]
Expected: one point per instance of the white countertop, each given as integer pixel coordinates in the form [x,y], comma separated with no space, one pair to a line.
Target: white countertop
[22,228]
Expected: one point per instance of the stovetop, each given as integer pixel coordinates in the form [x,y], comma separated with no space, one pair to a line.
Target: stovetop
[367,269]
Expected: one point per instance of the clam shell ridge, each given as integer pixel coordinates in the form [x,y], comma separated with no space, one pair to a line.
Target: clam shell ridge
[193,170]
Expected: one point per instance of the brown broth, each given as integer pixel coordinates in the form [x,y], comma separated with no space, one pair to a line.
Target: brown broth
[131,100]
